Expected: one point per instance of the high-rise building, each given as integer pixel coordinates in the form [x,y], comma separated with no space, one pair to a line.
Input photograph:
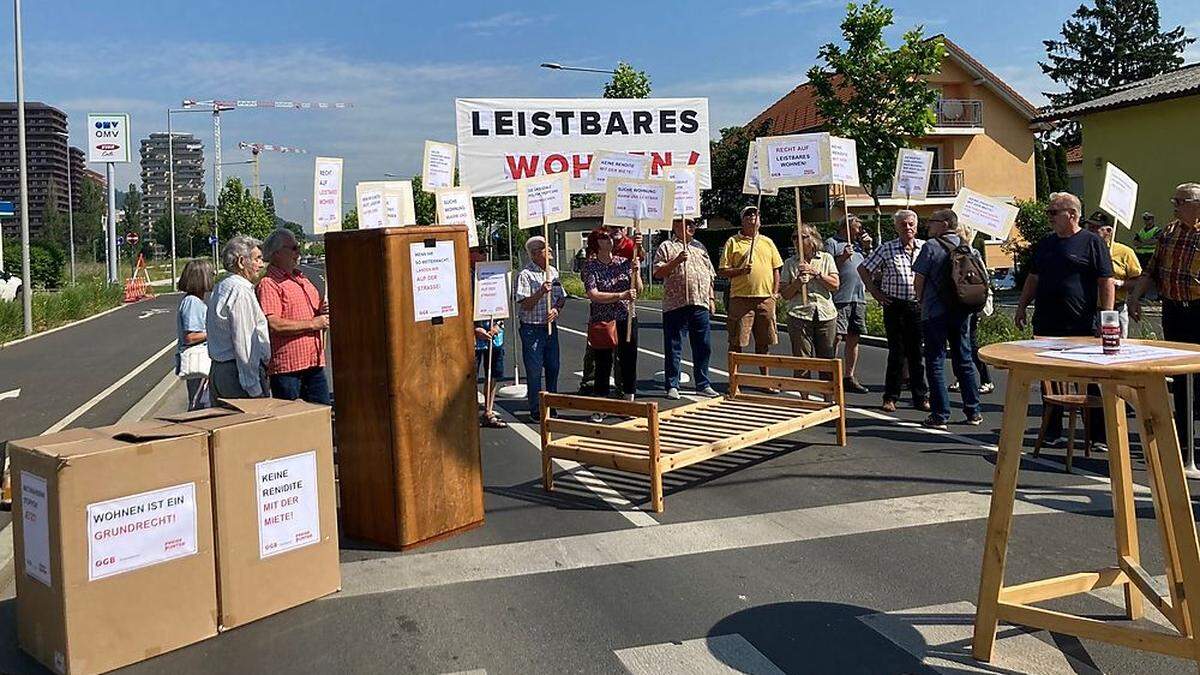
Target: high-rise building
[189,175]
[46,156]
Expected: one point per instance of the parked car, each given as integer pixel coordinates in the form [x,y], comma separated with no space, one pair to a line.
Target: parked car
[1004,280]
[10,287]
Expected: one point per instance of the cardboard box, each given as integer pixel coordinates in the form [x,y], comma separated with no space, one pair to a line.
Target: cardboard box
[114,545]
[274,505]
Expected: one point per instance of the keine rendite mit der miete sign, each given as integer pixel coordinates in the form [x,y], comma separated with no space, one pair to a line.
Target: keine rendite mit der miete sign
[503,140]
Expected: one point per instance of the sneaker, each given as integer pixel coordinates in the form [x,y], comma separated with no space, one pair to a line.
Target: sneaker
[854,386]
[973,420]
[1099,447]
[596,418]
[771,390]
[921,405]
[987,388]
[954,387]
[629,397]
[673,393]
[934,422]
[708,391]
[889,405]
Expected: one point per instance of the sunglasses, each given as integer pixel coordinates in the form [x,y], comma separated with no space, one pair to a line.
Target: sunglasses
[1055,212]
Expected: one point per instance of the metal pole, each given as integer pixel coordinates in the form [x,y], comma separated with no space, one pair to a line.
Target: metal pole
[70,212]
[216,178]
[171,191]
[26,285]
[111,175]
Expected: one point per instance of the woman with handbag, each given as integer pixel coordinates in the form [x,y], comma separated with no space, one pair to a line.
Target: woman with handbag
[612,287]
[191,351]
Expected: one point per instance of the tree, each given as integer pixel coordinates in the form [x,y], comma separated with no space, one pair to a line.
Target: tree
[874,94]
[1112,43]
[132,204]
[350,219]
[88,218]
[1063,176]
[424,203]
[627,82]
[240,213]
[268,201]
[725,199]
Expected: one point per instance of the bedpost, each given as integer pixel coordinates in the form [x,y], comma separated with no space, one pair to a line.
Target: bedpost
[839,397]
[547,461]
[656,472]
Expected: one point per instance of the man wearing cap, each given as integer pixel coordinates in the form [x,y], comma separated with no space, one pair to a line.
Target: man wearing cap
[1147,237]
[1125,265]
[1175,271]
[539,335]
[687,304]
[752,264]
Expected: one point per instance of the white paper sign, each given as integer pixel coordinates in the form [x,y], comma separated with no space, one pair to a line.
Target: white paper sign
[687,190]
[129,533]
[108,137]
[751,181]
[454,207]
[371,210]
[547,197]
[843,161]
[434,282]
[397,201]
[289,508]
[35,525]
[911,178]
[1119,195]
[491,290]
[327,195]
[649,202]
[607,165]
[794,161]
[437,168]
[985,214]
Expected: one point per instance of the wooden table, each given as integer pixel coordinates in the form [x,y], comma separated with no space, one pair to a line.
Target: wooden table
[1143,385]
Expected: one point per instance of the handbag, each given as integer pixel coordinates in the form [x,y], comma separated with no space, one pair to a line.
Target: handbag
[602,334]
[194,362]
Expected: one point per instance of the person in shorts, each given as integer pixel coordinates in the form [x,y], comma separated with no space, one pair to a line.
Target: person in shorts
[850,298]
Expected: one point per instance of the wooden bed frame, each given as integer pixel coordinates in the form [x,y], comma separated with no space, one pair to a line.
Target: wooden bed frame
[654,443]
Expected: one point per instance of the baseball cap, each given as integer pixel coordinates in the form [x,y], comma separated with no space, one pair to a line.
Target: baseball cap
[1100,218]
[748,209]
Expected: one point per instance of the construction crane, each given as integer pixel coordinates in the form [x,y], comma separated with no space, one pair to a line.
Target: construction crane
[256,149]
[221,105]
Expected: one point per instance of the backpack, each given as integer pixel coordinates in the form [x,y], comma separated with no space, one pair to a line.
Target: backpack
[966,283]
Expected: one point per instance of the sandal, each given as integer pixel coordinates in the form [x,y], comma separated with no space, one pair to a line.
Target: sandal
[492,422]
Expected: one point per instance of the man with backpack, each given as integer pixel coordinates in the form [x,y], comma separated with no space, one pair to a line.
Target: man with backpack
[951,284]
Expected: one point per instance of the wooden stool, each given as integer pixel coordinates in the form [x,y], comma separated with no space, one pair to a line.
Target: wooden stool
[1143,384]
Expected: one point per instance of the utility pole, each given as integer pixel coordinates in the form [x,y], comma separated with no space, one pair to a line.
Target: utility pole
[26,284]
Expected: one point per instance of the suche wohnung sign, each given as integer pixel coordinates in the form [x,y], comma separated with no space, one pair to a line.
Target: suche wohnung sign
[503,140]
[108,137]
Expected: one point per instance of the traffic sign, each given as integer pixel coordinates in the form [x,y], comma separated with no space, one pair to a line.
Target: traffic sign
[212,239]
[131,238]
[7,209]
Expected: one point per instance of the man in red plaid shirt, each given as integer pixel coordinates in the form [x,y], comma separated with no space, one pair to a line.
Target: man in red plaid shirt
[297,318]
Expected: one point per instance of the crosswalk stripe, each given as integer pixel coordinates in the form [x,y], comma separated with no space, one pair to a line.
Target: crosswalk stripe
[712,655]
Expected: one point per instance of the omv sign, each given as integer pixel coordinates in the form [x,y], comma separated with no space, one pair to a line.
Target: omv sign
[108,137]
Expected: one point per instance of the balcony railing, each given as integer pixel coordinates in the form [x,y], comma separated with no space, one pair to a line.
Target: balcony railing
[958,112]
[942,183]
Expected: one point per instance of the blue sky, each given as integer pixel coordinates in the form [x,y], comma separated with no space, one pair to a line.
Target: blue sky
[403,63]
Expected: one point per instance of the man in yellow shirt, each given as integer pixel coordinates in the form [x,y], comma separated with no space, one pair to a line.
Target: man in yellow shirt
[751,263]
[1126,268]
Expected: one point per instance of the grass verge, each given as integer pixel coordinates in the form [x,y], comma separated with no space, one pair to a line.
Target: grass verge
[55,308]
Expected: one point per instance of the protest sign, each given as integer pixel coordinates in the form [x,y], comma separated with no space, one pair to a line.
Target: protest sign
[911,178]
[503,140]
[491,290]
[1118,197]
[543,200]
[128,533]
[648,201]
[751,180]
[398,208]
[794,161]
[371,208]
[687,191]
[437,166]
[454,207]
[289,512]
[985,214]
[607,165]
[327,195]
[434,284]
[843,161]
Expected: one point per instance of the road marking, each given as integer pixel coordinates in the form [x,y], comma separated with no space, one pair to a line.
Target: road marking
[78,412]
[713,655]
[939,636]
[146,314]
[6,345]
[631,545]
[10,394]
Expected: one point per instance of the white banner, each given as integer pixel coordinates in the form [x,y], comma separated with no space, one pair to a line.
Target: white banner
[985,214]
[648,202]
[437,166]
[794,161]
[491,290]
[503,140]
[434,280]
[289,510]
[1119,195]
[35,526]
[371,207]
[843,158]
[129,533]
[911,178]
[545,199]
[108,137]
[327,195]
[454,207]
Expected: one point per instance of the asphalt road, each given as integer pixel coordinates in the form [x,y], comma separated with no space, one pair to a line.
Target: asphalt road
[796,556]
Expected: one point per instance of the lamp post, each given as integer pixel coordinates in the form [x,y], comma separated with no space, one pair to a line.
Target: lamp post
[26,285]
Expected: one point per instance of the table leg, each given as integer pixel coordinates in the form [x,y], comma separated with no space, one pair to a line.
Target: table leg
[1121,472]
[1160,425]
[1004,485]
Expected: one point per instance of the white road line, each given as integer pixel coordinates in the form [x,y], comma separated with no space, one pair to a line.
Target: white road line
[151,399]
[713,655]
[631,545]
[78,412]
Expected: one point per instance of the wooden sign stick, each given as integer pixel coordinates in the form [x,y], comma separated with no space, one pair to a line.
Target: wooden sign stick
[846,211]
[546,272]
[633,277]
[754,239]
[487,382]
[801,252]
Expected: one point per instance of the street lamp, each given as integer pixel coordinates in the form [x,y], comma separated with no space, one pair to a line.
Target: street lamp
[581,69]
[26,284]
[171,180]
